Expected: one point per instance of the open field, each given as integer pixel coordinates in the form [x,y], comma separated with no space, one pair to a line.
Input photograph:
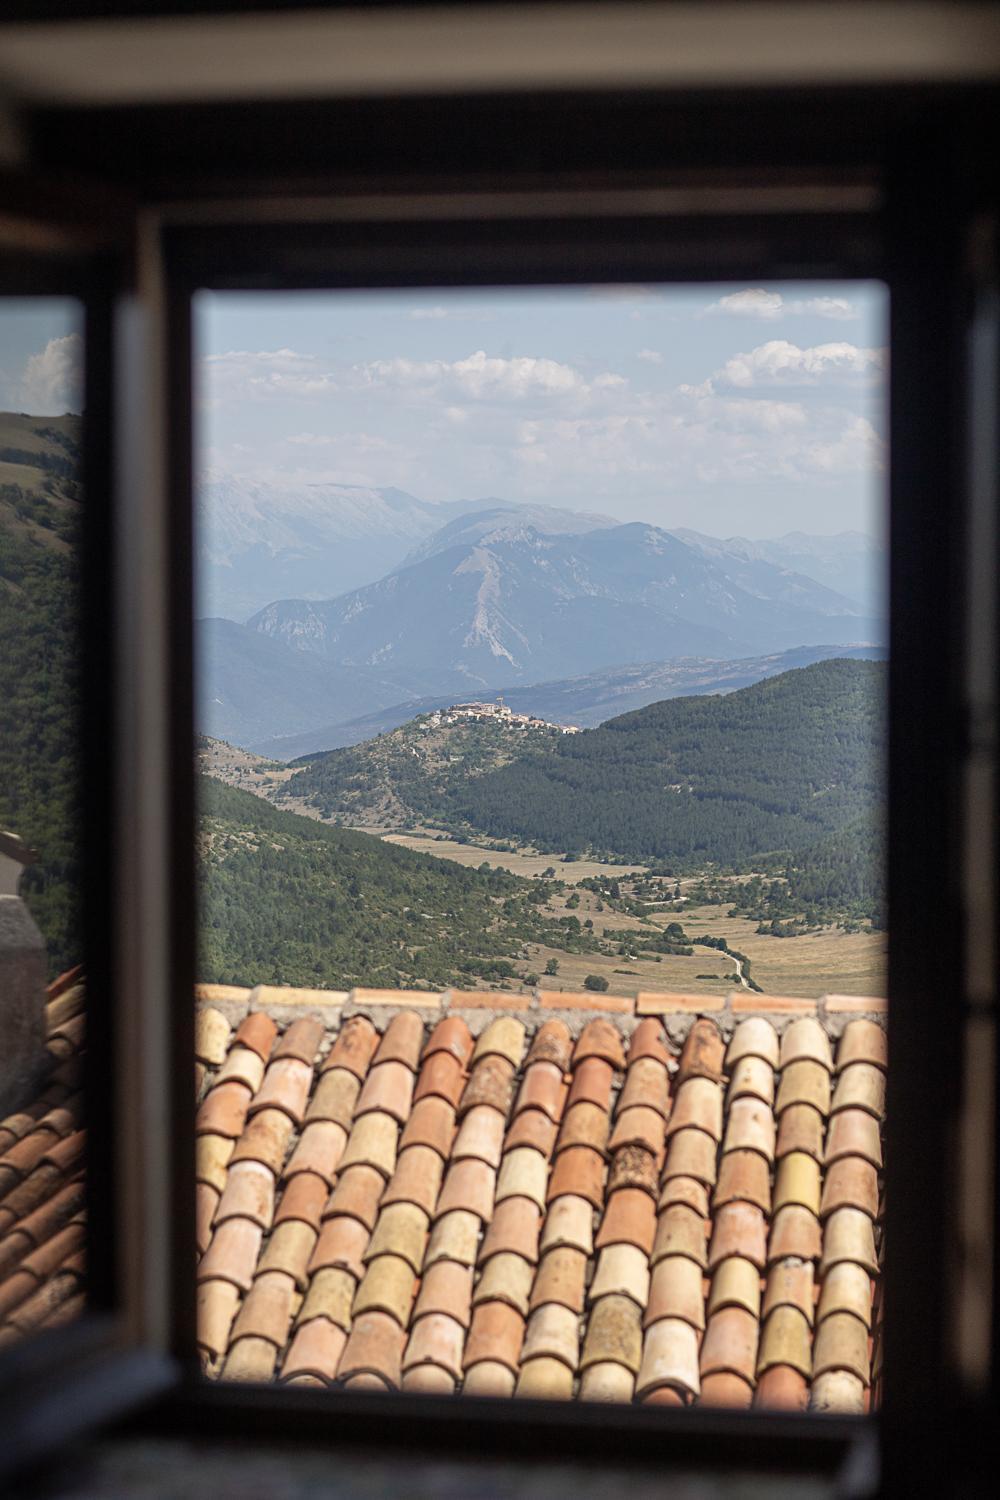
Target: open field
[831,961]
[524,862]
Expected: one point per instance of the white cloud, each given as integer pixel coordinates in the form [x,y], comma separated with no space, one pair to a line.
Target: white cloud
[779,362]
[538,428]
[837,308]
[650,356]
[244,374]
[756,302]
[423,314]
[482,377]
[52,382]
[855,448]
[241,375]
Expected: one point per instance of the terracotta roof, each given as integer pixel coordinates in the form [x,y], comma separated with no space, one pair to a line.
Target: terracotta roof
[634,1202]
[41,1183]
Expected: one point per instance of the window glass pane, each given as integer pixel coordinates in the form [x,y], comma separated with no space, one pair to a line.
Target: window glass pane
[542,658]
[41,982]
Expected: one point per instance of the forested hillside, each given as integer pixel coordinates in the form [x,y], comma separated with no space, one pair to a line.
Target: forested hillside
[288,900]
[39,662]
[774,766]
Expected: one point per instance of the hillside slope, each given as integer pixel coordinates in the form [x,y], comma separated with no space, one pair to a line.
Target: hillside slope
[40,504]
[287,900]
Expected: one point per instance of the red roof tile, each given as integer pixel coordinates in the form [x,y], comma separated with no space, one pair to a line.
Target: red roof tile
[527,1214]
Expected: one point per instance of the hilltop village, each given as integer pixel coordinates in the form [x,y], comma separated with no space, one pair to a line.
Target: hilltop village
[498,712]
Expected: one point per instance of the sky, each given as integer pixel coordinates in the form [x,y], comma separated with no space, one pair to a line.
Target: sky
[731,409]
[41,355]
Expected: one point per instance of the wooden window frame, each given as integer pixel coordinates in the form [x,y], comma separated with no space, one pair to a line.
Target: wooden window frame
[834,203]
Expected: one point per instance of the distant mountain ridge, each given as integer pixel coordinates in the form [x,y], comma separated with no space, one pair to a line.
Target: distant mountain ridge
[514,605]
[850,563]
[258,541]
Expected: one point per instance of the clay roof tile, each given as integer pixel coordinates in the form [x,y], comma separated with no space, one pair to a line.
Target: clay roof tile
[591,1083]
[646,1084]
[543,1088]
[490,1082]
[551,1043]
[504,1037]
[441,1077]
[786,1339]
[300,1040]
[560,1278]
[211,1036]
[730,1344]
[532,1128]
[805,1039]
[496,1334]
[514,1227]
[744,1176]
[506,1277]
[697,1104]
[401,1041]
[446,1287]
[320,1149]
[437,1340]
[862,1041]
[316,1350]
[453,1036]
[388,1087]
[630,1218]
[614,1333]
[417,1178]
[703,1052]
[353,1047]
[431,1123]
[358,1194]
[585,1124]
[374,1347]
[286,1086]
[468,1184]
[676,1291]
[578,1170]
[599,1039]
[649,1040]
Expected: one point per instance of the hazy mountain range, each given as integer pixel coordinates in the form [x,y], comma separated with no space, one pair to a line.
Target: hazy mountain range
[495,598]
[258,541]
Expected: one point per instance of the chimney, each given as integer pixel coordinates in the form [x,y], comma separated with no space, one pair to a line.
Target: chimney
[22,982]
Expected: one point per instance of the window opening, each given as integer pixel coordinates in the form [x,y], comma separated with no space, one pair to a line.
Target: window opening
[541,705]
[41,854]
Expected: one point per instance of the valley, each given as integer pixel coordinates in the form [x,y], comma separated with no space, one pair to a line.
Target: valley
[600,918]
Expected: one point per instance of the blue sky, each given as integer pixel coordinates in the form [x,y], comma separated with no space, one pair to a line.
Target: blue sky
[726,408]
[41,351]
[730,409]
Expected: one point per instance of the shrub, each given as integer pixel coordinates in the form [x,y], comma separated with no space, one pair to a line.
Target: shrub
[595,982]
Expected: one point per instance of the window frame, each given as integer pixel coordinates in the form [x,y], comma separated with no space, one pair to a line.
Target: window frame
[52,246]
[903,215]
